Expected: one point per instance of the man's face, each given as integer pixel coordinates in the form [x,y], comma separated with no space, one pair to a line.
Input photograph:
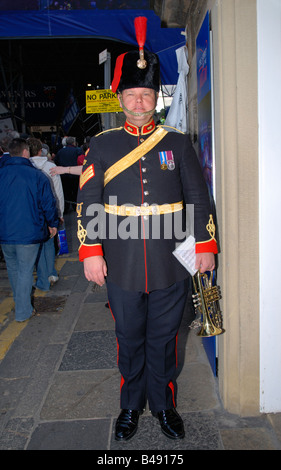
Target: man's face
[138,100]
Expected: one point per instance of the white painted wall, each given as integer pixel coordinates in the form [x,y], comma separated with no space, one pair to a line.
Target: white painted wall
[269,88]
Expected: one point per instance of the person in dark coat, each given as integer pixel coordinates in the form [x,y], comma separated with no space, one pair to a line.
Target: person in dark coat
[134,190]
[28,218]
[67,157]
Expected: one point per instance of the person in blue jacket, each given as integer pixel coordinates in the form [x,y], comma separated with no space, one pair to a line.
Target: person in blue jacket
[28,217]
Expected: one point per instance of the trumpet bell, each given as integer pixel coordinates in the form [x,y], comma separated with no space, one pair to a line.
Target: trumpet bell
[209,329]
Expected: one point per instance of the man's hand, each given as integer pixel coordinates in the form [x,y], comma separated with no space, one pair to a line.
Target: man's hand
[53,231]
[95,269]
[205,262]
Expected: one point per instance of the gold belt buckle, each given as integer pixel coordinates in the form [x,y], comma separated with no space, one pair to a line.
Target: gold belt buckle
[145,209]
[155,210]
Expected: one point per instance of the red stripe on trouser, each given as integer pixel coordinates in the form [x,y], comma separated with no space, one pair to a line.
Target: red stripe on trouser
[122,383]
[171,385]
[176,350]
[111,311]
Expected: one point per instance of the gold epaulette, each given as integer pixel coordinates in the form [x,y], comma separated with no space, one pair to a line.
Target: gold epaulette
[109,130]
[172,128]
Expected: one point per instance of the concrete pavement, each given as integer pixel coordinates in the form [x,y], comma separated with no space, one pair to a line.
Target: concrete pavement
[59,382]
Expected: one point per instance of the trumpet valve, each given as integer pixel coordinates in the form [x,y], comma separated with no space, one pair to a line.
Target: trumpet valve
[196,300]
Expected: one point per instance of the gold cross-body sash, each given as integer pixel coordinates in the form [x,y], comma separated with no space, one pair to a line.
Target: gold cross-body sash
[134,156]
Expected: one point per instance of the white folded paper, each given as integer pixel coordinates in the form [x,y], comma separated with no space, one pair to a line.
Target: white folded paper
[185,254]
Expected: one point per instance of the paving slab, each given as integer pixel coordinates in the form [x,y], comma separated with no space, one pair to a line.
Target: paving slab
[82,395]
[88,350]
[60,385]
[71,435]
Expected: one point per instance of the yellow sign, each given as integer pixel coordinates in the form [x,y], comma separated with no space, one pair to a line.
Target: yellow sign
[102,101]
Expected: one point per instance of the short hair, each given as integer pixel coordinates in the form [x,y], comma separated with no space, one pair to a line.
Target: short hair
[17,146]
[35,145]
[4,142]
[70,140]
[45,150]
[7,138]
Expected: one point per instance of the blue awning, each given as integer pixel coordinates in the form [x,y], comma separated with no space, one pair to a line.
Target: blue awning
[117,25]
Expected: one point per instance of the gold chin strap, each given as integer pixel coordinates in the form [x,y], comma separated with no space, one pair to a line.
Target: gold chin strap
[146,113]
[145,209]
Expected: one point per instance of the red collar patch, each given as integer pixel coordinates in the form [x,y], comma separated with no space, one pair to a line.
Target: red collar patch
[134,130]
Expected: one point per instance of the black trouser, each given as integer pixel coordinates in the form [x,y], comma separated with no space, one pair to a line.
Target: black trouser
[146,330]
[70,188]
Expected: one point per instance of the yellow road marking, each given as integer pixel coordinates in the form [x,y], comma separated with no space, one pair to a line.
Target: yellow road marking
[60,262]
[14,328]
[5,307]
[9,335]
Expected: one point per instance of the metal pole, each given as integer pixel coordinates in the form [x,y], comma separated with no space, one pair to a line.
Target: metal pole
[21,84]
[107,79]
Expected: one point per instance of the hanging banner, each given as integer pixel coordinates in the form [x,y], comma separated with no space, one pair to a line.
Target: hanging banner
[178,113]
[205,133]
[102,101]
[205,102]
[71,112]
[203,60]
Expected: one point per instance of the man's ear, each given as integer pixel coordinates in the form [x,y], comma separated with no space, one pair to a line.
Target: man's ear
[26,153]
[119,99]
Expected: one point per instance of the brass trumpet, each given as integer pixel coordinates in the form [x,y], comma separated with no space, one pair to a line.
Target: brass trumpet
[206,302]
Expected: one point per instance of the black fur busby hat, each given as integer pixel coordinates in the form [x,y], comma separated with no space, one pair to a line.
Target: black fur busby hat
[128,75]
[137,69]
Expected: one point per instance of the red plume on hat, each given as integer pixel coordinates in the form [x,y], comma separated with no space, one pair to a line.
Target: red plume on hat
[140,29]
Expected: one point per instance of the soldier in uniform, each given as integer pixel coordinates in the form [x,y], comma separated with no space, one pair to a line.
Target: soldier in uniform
[138,179]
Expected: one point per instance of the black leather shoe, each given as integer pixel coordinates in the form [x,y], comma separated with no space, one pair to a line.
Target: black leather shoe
[171,423]
[126,424]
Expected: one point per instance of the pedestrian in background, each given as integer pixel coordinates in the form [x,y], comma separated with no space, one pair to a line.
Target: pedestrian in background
[4,145]
[67,157]
[45,265]
[28,217]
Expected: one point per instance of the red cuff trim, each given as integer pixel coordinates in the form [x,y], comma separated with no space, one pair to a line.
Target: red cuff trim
[90,250]
[206,247]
